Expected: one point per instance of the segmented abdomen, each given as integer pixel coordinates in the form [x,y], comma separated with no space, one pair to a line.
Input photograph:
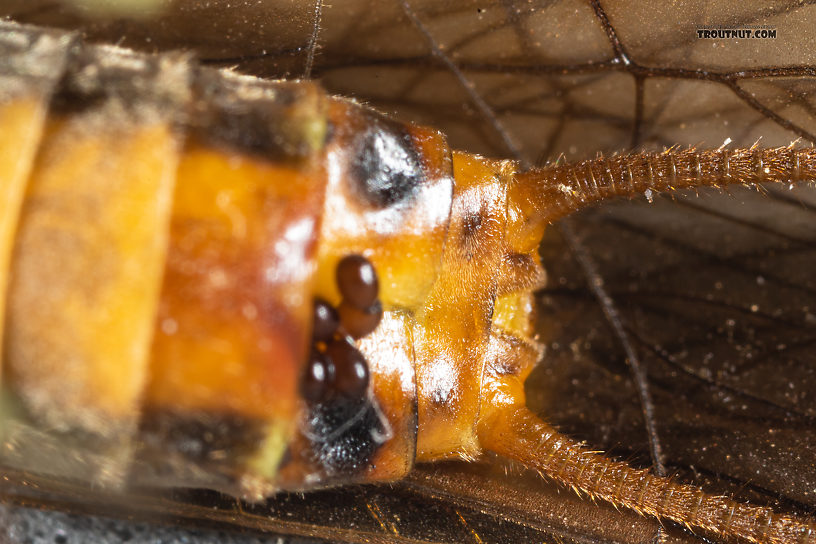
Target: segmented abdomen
[137,187]
[165,229]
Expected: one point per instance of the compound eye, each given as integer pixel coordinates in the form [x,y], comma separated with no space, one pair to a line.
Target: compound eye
[351,370]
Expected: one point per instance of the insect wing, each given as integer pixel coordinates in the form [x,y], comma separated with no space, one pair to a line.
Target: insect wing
[715,293]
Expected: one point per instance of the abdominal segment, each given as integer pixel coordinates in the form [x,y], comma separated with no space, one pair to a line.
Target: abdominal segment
[159,230]
[166,231]
[160,249]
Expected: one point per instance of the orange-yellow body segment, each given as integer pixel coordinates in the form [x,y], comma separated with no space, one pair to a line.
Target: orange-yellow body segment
[404,242]
[22,120]
[452,327]
[162,271]
[232,323]
[177,225]
[87,269]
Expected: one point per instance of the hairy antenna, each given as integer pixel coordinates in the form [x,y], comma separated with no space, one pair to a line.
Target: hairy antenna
[549,193]
[513,431]
[508,428]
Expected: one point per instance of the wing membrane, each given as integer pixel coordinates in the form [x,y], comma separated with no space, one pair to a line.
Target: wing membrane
[716,293]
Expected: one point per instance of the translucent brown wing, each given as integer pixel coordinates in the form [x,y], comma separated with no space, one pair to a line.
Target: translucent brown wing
[715,293]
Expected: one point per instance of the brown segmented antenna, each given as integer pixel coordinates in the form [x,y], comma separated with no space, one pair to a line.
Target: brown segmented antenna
[515,432]
[508,428]
[544,195]
[552,192]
